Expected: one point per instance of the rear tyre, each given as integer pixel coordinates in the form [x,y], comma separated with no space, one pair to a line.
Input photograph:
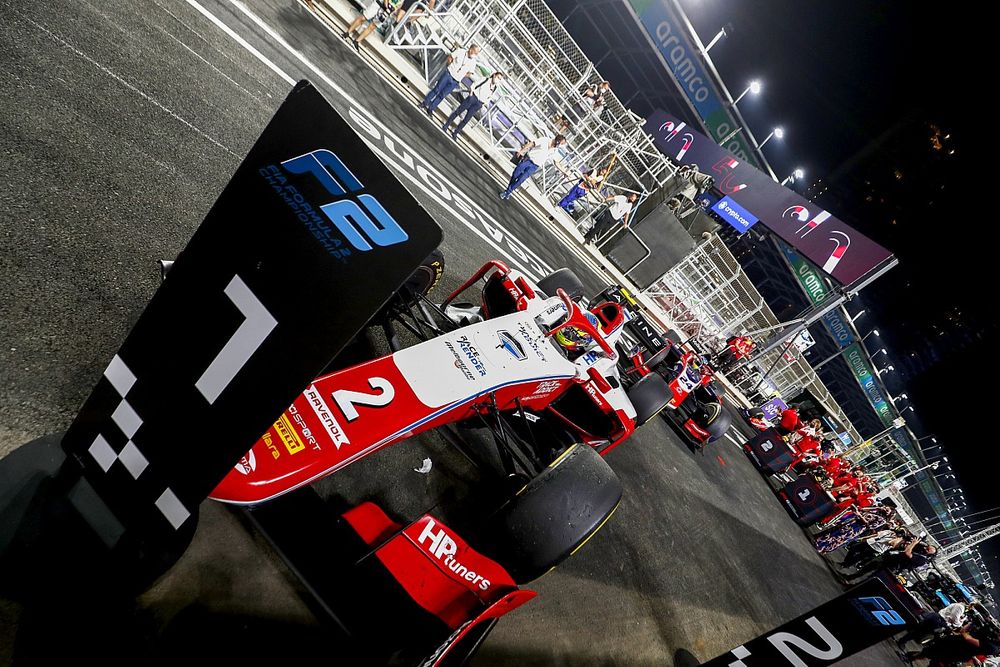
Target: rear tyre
[427,276]
[553,515]
[564,279]
[649,396]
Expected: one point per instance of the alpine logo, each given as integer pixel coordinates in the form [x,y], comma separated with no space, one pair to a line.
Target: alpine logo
[509,343]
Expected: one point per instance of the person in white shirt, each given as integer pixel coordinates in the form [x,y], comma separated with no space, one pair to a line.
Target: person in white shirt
[481,93]
[461,63]
[532,156]
[375,14]
[619,211]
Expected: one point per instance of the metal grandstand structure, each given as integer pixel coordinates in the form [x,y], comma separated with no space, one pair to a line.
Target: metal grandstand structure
[546,73]
[709,297]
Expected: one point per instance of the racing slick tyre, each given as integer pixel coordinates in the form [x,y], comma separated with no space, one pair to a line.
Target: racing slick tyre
[428,274]
[717,420]
[565,279]
[649,396]
[553,515]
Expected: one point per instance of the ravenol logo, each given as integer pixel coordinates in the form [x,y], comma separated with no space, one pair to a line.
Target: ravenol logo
[511,344]
[360,218]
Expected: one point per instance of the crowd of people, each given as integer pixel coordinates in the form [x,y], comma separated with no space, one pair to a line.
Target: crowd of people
[870,536]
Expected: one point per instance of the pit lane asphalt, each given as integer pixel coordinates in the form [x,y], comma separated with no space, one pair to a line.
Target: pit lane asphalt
[119,124]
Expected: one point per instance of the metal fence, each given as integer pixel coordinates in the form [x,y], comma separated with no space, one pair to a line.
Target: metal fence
[710,298]
[546,73]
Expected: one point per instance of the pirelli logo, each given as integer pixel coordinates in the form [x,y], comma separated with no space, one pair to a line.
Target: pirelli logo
[285,430]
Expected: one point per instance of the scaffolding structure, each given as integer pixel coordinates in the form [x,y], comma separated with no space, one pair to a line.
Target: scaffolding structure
[546,73]
[709,297]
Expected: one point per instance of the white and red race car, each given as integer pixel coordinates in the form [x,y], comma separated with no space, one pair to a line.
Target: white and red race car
[504,362]
[541,372]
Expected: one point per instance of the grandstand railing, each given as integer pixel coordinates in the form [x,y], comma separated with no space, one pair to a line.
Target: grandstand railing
[546,72]
[710,298]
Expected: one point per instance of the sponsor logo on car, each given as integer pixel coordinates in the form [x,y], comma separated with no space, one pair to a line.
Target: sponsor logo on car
[441,546]
[511,344]
[472,354]
[326,418]
[545,388]
[283,427]
[459,363]
[247,464]
[269,443]
[532,339]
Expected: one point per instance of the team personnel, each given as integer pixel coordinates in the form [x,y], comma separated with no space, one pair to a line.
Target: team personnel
[375,14]
[482,93]
[531,157]
[461,63]
[618,212]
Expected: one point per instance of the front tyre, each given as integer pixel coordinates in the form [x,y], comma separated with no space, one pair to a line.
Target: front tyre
[649,396]
[562,279]
[553,515]
[715,420]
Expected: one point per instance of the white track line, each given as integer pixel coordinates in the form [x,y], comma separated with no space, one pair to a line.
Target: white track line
[492,224]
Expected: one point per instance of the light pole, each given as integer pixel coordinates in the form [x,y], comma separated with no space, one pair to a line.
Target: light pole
[777,133]
[798,173]
[859,314]
[887,369]
[754,88]
[873,331]
[722,33]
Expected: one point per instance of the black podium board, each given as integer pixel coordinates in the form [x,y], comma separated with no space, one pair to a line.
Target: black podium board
[806,500]
[769,452]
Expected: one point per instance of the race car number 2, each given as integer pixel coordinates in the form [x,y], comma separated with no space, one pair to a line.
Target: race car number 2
[346,399]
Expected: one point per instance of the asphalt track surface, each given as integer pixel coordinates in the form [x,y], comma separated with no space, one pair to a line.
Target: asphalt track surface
[119,124]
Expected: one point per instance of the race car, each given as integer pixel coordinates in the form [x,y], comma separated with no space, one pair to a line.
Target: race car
[526,362]
[539,371]
[695,407]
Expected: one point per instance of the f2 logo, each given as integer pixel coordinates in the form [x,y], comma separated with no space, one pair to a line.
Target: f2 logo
[362,222]
[882,611]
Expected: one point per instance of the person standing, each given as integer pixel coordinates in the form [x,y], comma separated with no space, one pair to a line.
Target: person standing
[532,156]
[374,14]
[482,93]
[618,212]
[461,63]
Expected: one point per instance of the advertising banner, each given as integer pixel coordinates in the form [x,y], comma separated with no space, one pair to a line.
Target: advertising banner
[831,244]
[865,376]
[738,217]
[667,32]
[864,616]
[312,235]
[815,288]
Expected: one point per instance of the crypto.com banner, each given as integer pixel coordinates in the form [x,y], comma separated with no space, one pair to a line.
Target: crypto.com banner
[839,250]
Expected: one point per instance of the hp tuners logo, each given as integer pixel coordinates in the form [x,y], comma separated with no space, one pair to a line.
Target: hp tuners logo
[440,545]
[360,218]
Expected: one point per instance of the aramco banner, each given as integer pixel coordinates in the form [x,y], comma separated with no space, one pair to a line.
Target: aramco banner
[815,288]
[839,250]
[865,376]
[667,32]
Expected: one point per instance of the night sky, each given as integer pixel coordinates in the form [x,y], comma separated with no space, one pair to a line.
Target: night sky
[856,86]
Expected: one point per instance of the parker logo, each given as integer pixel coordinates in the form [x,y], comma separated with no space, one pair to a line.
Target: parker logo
[511,344]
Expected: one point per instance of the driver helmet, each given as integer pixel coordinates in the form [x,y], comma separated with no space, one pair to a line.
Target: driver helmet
[576,339]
